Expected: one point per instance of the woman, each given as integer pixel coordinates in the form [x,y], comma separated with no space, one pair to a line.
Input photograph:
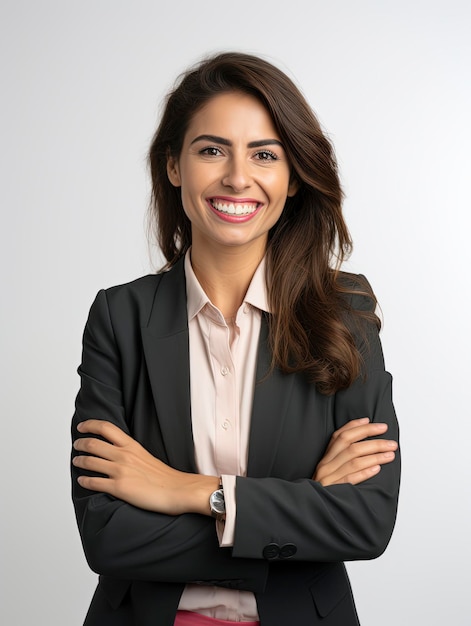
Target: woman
[246,383]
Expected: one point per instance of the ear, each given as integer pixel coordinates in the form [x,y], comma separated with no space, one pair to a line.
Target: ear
[173,171]
[293,187]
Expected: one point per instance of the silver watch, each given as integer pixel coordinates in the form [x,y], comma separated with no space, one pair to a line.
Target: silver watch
[217,504]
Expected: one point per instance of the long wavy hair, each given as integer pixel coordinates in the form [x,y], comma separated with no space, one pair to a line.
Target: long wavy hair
[312,326]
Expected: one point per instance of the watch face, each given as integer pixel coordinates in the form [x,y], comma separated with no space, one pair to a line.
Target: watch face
[217,502]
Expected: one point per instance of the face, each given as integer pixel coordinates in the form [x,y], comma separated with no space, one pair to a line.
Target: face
[233,173]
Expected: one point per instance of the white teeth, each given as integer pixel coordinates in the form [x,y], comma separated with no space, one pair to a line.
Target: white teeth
[234,209]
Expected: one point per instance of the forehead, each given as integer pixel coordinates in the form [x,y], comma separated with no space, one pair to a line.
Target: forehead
[233,113]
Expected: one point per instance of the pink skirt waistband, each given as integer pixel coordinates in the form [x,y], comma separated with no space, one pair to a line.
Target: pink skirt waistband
[188,618]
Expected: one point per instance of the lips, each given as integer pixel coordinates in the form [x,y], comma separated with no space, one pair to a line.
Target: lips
[236,208]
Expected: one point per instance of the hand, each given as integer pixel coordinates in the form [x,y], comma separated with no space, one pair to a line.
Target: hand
[132,474]
[351,457]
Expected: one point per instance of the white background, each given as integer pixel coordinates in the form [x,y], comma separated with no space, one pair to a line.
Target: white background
[81,84]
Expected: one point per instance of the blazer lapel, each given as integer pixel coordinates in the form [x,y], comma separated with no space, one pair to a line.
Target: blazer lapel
[270,407]
[166,349]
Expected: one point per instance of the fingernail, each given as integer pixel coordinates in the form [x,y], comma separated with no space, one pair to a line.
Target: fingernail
[80,426]
[364,420]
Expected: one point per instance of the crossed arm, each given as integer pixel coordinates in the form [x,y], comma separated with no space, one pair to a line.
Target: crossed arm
[127,471]
[348,508]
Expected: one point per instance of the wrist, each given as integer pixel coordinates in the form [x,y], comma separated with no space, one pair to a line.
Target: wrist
[201,492]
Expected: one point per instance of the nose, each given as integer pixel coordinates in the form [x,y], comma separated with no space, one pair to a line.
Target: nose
[237,175]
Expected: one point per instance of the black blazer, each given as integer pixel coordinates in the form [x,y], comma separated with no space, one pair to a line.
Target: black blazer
[292,535]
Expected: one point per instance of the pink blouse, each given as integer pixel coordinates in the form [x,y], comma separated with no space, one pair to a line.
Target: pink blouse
[223,356]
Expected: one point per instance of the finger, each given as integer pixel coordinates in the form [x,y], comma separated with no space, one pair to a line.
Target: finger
[357,458]
[356,468]
[362,421]
[354,423]
[356,450]
[359,477]
[97,448]
[360,431]
[368,447]
[104,429]
[97,483]
[360,463]
[342,439]
[94,464]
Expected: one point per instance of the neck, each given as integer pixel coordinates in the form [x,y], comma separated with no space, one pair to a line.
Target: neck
[225,275]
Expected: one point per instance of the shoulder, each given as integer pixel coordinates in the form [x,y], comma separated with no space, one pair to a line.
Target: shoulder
[356,291]
[139,289]
[361,319]
[133,298]
[132,302]
[143,290]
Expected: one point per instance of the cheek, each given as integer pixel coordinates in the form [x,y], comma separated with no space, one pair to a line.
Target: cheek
[275,215]
[280,196]
[279,185]
[191,201]
[193,182]
[187,204]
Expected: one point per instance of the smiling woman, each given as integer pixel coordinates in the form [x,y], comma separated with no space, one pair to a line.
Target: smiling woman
[234,177]
[228,449]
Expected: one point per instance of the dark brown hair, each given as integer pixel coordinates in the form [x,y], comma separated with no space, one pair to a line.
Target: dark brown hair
[312,323]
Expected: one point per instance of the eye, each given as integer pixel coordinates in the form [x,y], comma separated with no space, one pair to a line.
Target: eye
[266,155]
[210,151]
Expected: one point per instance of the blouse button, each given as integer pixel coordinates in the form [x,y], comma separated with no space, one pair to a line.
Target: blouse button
[224,371]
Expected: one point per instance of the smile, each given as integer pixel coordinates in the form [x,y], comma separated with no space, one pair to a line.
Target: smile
[234,208]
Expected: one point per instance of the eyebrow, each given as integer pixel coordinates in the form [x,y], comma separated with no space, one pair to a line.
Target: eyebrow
[225,142]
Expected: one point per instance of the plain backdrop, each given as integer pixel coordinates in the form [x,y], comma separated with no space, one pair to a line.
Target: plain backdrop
[81,86]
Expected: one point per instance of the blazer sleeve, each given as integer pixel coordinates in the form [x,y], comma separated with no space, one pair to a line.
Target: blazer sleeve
[309,522]
[121,540]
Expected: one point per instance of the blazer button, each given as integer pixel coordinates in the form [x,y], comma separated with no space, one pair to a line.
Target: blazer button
[271,551]
[288,550]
